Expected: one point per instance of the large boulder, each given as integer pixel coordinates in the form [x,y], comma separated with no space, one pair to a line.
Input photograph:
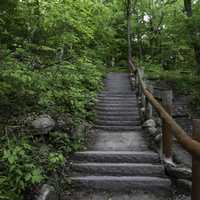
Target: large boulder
[43,124]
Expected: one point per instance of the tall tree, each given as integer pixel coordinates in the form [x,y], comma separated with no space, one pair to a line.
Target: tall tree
[129,31]
[188,7]
[196,46]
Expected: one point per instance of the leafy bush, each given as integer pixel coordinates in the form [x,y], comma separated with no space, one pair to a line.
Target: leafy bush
[60,88]
[55,160]
[20,170]
[26,162]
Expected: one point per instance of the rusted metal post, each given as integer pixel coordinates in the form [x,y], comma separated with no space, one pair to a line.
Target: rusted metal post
[196,163]
[167,97]
[148,106]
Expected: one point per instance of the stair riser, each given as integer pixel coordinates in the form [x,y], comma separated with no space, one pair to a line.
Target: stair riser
[117,113]
[115,96]
[118,128]
[122,105]
[117,101]
[117,123]
[117,158]
[118,170]
[118,118]
[133,109]
[123,185]
[120,99]
[117,93]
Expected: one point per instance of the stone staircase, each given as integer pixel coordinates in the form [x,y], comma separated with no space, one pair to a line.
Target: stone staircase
[118,160]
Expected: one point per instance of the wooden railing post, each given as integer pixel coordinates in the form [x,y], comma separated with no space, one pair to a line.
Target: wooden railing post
[136,82]
[148,106]
[141,74]
[167,97]
[196,163]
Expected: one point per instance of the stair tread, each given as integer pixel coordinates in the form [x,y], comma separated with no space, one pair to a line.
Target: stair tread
[118,128]
[118,152]
[116,169]
[117,164]
[121,195]
[117,123]
[124,178]
[118,157]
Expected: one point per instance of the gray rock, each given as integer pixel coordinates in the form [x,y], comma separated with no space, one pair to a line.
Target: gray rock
[158,138]
[152,131]
[184,185]
[80,130]
[47,192]
[149,123]
[64,122]
[179,172]
[158,121]
[43,124]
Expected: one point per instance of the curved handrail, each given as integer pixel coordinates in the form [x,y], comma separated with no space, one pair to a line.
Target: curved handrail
[190,145]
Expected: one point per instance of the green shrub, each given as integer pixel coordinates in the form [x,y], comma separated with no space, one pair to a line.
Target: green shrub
[20,171]
[63,88]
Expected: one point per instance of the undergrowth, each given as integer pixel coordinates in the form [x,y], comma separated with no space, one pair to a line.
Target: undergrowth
[28,162]
[183,80]
[64,87]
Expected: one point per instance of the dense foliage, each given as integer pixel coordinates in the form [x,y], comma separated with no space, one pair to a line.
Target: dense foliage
[166,41]
[53,55]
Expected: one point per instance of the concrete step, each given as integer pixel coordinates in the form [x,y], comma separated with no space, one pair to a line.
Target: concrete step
[117,101]
[118,98]
[134,109]
[117,123]
[118,128]
[122,183]
[103,140]
[130,95]
[115,195]
[119,169]
[118,118]
[117,93]
[120,113]
[117,104]
[117,156]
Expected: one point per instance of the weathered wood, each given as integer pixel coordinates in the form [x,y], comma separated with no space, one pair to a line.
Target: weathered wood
[196,163]
[189,144]
[167,97]
[148,106]
[141,75]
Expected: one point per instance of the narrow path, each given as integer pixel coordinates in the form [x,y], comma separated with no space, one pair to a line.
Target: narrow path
[118,164]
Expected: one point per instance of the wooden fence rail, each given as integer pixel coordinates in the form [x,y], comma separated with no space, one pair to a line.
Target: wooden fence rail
[170,127]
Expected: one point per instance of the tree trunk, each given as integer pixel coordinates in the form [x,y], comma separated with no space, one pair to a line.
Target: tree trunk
[188,7]
[196,47]
[129,13]
[197,55]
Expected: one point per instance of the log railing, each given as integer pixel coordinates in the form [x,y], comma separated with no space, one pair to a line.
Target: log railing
[170,127]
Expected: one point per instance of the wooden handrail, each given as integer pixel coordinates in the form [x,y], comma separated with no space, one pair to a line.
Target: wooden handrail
[190,145]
